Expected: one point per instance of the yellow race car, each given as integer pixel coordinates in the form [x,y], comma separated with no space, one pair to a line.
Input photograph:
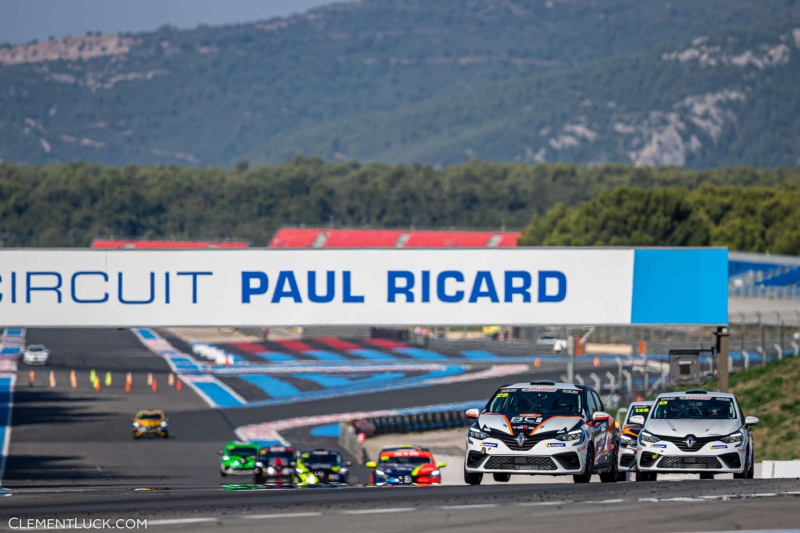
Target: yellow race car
[150,424]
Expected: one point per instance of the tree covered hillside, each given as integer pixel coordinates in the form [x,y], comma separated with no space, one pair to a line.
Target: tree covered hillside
[328,82]
[71,204]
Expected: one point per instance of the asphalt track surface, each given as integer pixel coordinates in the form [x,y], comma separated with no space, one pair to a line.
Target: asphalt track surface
[72,455]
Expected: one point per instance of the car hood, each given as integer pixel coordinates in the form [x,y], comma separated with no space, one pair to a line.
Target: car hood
[530,423]
[698,428]
[149,423]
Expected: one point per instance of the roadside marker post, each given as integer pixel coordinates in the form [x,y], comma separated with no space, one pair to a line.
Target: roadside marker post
[149,378]
[171,379]
[108,379]
[73,380]
[31,378]
[52,380]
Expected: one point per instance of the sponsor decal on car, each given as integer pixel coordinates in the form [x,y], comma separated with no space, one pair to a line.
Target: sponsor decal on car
[526,419]
[487,444]
[719,447]
[695,397]
[556,445]
[540,389]
[658,445]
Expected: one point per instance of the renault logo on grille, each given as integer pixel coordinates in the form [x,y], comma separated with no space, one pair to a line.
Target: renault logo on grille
[690,441]
[521,440]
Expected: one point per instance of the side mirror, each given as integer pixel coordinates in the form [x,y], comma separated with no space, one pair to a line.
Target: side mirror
[600,416]
[616,424]
[441,465]
[751,421]
[220,453]
[348,463]
[473,413]
[637,419]
[371,464]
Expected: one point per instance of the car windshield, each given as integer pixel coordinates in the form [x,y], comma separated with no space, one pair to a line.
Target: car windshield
[694,407]
[640,410]
[277,458]
[329,458]
[241,452]
[36,348]
[149,416]
[406,460]
[536,400]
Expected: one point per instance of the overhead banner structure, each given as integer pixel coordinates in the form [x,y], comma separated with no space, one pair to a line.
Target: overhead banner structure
[521,286]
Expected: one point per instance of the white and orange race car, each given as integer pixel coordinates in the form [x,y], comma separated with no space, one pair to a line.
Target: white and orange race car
[542,428]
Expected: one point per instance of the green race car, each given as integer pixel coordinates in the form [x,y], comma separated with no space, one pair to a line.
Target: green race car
[237,458]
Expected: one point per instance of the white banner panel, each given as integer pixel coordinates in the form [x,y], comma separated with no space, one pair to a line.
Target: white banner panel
[127,288]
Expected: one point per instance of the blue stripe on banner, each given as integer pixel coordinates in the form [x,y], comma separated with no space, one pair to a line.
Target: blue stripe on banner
[10,350]
[419,353]
[680,286]
[322,355]
[478,354]
[325,380]
[14,332]
[276,357]
[329,430]
[275,387]
[373,355]
[5,420]
[444,372]
[217,394]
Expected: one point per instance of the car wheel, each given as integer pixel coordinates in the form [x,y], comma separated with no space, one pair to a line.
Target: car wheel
[588,469]
[502,478]
[222,473]
[645,476]
[705,475]
[612,475]
[258,480]
[751,471]
[472,478]
[166,435]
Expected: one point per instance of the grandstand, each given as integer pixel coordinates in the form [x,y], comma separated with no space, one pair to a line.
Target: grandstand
[763,275]
[391,238]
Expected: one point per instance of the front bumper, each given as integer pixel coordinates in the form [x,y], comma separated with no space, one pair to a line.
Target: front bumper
[713,457]
[150,432]
[34,359]
[626,459]
[237,470]
[550,457]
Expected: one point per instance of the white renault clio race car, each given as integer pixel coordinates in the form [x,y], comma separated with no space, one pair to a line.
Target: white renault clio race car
[541,428]
[695,432]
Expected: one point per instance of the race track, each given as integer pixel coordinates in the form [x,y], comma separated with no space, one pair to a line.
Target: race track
[71,454]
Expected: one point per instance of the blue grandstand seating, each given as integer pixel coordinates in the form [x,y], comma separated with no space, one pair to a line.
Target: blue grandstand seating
[792,277]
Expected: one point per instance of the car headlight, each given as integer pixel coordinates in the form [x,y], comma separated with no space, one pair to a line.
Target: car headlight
[380,473]
[225,458]
[733,438]
[576,434]
[476,433]
[435,473]
[135,425]
[646,436]
[626,440]
[270,470]
[163,424]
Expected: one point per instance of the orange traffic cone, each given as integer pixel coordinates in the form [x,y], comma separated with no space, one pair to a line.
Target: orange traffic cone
[127,386]
[537,363]
[31,378]
[97,385]
[171,379]
[73,380]
[596,361]
[52,380]
[178,385]
[155,385]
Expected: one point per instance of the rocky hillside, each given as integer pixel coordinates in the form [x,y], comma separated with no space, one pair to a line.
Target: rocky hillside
[683,82]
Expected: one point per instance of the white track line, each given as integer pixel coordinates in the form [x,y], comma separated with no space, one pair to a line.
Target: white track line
[379,511]
[178,521]
[280,515]
[468,506]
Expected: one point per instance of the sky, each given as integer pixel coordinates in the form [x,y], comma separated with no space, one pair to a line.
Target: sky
[24,20]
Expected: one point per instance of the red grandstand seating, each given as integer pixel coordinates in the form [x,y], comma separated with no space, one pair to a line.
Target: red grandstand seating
[110,244]
[295,238]
[374,238]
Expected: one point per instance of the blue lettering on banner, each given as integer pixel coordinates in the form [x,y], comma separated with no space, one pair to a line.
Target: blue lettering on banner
[349,297]
[404,290]
[483,277]
[74,292]
[122,300]
[511,289]
[330,290]
[56,289]
[559,296]
[194,282]
[441,280]
[426,286]
[248,289]
[286,277]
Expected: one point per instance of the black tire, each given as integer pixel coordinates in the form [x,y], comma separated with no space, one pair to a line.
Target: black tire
[706,475]
[653,476]
[472,478]
[502,478]
[166,435]
[259,480]
[749,468]
[588,469]
[622,475]
[612,475]
[646,476]
[222,473]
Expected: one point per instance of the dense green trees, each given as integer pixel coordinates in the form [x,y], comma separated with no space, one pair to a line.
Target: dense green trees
[757,219]
[69,205]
